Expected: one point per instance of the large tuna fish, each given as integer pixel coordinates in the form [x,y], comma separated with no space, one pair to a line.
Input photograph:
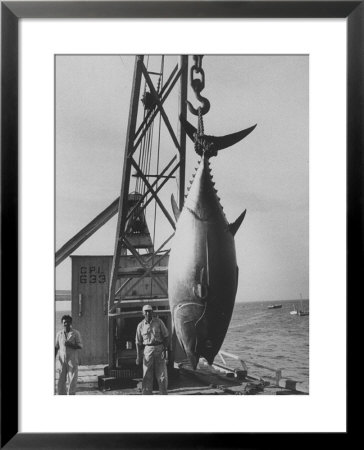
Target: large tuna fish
[202,270]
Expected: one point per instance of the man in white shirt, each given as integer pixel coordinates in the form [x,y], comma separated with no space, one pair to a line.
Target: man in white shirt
[152,335]
[68,343]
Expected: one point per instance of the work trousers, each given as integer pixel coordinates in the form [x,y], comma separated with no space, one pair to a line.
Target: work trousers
[68,375]
[154,363]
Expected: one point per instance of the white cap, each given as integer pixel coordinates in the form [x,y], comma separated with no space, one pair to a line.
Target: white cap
[147,308]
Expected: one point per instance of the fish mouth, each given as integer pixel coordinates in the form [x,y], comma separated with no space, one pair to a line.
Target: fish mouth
[192,332]
[193,358]
[209,352]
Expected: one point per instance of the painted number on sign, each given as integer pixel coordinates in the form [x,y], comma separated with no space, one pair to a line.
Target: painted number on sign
[92,275]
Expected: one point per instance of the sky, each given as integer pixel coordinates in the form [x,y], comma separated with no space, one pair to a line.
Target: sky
[267,173]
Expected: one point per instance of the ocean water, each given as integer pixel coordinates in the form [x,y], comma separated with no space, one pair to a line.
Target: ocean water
[270,337]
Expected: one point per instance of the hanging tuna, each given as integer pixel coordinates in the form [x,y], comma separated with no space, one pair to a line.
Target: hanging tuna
[203,271]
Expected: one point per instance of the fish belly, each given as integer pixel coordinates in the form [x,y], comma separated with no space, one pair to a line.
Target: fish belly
[202,281]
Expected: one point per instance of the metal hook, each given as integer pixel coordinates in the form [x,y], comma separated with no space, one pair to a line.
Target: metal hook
[198,85]
[205,108]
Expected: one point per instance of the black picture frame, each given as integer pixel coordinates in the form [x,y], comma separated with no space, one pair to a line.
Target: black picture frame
[11,13]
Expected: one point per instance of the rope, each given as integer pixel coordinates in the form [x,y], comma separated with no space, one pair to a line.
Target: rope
[200,132]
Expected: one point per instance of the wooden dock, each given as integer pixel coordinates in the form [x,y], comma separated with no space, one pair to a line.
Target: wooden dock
[206,380]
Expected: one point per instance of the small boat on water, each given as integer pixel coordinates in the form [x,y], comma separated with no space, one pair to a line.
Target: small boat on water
[299,312]
[274,306]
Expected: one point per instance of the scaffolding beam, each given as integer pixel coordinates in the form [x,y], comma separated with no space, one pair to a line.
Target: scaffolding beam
[134,138]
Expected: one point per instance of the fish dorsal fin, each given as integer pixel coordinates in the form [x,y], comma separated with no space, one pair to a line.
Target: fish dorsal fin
[233,227]
[175,208]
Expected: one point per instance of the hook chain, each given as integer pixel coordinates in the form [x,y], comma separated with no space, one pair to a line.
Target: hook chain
[198,84]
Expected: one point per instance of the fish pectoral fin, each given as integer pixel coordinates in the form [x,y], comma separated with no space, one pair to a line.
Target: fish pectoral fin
[233,227]
[175,208]
[201,289]
[202,275]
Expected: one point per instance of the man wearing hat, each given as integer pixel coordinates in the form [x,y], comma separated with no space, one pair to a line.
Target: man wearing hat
[152,334]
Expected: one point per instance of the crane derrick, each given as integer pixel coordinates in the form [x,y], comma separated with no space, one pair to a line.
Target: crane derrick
[132,232]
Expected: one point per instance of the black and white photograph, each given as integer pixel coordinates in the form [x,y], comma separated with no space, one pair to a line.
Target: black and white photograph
[181,188]
[181,224]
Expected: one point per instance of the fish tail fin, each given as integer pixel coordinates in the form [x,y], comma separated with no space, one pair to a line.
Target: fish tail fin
[222,142]
[210,145]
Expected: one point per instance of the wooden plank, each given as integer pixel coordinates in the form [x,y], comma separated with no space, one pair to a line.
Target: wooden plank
[137,282]
[137,313]
[161,301]
[87,231]
[138,271]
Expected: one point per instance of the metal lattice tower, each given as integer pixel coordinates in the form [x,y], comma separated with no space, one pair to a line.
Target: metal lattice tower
[132,233]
